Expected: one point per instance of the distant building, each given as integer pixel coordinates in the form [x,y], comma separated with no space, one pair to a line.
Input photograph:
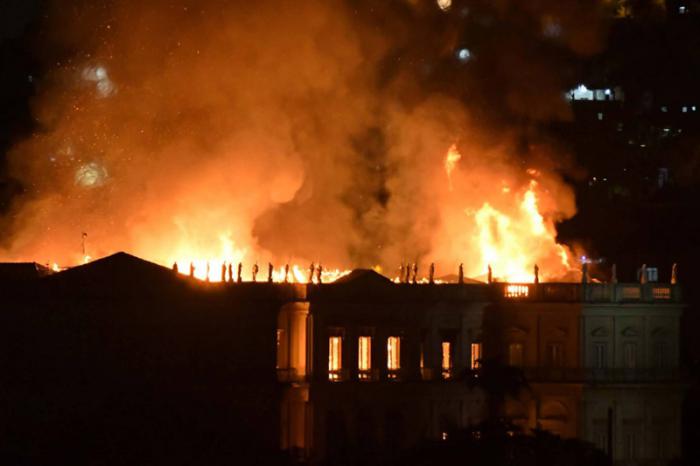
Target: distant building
[361,364]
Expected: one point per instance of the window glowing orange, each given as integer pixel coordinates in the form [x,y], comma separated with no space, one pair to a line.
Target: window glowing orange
[446,359]
[364,356]
[393,353]
[335,354]
[476,355]
[517,291]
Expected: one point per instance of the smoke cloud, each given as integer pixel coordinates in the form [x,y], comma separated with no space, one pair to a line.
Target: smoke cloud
[295,131]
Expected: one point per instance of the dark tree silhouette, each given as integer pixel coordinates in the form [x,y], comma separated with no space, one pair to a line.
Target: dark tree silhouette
[499,381]
[495,444]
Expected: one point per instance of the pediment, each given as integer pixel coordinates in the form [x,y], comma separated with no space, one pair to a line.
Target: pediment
[660,332]
[514,330]
[554,410]
[364,277]
[557,332]
[630,332]
[120,274]
[600,332]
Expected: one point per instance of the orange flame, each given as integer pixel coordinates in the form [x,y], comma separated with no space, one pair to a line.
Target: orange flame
[453,156]
[513,244]
[507,230]
[496,215]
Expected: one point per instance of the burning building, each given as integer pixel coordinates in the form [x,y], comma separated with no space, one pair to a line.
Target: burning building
[121,356]
[205,135]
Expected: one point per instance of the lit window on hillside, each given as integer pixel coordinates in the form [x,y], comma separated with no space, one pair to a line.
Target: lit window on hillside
[364,357]
[393,355]
[335,355]
[476,355]
[682,9]
[517,291]
[581,92]
[446,359]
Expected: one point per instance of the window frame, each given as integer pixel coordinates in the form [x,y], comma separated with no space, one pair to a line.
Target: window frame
[335,356]
[393,356]
[364,361]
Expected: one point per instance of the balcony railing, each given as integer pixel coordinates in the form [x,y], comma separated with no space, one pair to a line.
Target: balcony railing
[370,375]
[532,374]
[291,375]
[603,376]
[632,292]
[590,292]
[339,375]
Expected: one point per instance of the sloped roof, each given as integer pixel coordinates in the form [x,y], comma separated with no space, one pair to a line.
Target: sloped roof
[115,263]
[22,270]
[118,274]
[364,277]
[453,278]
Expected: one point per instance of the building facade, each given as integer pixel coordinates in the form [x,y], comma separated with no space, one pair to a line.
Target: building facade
[381,363]
[126,355]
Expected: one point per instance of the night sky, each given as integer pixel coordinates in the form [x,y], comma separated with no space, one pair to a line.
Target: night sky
[18,20]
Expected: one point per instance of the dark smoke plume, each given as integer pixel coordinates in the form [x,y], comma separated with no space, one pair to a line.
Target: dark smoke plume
[307,130]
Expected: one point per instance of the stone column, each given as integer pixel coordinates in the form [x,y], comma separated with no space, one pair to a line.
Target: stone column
[292,353]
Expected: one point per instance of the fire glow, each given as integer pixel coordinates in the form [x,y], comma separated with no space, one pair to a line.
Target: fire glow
[507,235]
[508,243]
[214,162]
[214,270]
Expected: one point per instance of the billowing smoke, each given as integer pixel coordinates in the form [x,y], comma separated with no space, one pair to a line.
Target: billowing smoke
[296,131]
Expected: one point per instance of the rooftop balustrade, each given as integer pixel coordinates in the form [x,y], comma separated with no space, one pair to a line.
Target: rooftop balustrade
[603,375]
[590,292]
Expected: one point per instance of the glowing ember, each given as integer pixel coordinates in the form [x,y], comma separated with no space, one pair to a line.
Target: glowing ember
[453,156]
